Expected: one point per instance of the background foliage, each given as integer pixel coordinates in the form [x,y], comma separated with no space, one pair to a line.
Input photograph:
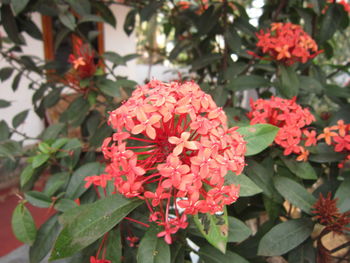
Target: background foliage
[211,40]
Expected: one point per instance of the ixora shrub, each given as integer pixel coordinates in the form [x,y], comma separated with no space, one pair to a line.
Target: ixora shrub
[172,172]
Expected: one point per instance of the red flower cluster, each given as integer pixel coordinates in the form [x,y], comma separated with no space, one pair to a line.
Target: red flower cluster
[327,213]
[340,139]
[287,43]
[291,118]
[83,63]
[172,148]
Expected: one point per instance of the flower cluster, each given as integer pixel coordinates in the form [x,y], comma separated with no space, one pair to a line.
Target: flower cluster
[286,43]
[172,148]
[327,213]
[291,118]
[338,136]
[83,62]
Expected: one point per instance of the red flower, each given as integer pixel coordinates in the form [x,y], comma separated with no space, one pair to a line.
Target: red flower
[287,43]
[172,148]
[95,260]
[290,118]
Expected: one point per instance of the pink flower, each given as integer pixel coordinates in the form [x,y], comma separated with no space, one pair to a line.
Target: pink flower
[172,148]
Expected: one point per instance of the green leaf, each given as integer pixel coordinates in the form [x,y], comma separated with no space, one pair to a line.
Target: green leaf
[288,81]
[343,196]
[4,131]
[113,57]
[109,87]
[19,118]
[52,131]
[82,7]
[76,111]
[258,137]
[94,221]
[55,182]
[9,23]
[303,170]
[65,204]
[26,175]
[149,10]
[91,18]
[263,177]
[247,186]
[114,246]
[214,228]
[4,104]
[241,83]
[16,80]
[130,21]
[105,12]
[18,5]
[5,73]
[101,133]
[331,22]
[211,255]
[324,153]
[310,85]
[238,231]
[285,236]
[40,159]
[205,61]
[294,193]
[52,98]
[10,149]
[44,240]
[233,40]
[304,253]
[67,19]
[23,224]
[76,185]
[38,199]
[153,249]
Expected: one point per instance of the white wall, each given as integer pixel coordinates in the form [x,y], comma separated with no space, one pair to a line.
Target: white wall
[21,99]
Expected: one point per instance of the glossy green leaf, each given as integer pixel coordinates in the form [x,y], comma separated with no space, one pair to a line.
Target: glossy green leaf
[10,149]
[38,199]
[303,170]
[211,255]
[23,224]
[294,193]
[105,12]
[238,231]
[26,175]
[94,221]
[324,153]
[258,137]
[55,182]
[130,21]
[153,249]
[289,82]
[214,228]
[113,57]
[310,85]
[40,159]
[18,5]
[304,253]
[247,186]
[65,204]
[82,7]
[233,40]
[285,236]
[91,18]
[76,185]
[44,240]
[19,118]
